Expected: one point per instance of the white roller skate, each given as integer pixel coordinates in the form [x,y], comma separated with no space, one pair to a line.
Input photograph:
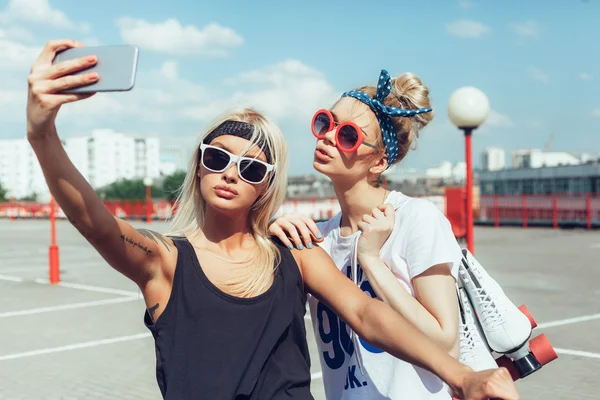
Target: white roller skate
[505,328]
[474,351]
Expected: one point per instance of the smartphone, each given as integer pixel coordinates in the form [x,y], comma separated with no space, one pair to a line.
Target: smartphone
[116,67]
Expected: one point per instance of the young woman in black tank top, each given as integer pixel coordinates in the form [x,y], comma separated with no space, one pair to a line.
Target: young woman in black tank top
[225,302]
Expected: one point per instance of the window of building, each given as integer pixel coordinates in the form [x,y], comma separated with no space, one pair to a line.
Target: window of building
[527,187]
[575,185]
[561,185]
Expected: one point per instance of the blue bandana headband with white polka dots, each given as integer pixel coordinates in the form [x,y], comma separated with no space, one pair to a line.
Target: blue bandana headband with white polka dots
[383,113]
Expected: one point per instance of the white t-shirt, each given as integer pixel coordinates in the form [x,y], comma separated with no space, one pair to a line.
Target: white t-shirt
[422,237]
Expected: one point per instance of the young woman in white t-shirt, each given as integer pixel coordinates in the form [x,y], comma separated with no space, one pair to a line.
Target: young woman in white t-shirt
[410,258]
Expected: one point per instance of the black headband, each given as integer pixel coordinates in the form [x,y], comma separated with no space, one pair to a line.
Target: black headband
[240,129]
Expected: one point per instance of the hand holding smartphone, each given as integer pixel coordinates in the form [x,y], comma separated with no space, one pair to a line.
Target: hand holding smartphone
[116,67]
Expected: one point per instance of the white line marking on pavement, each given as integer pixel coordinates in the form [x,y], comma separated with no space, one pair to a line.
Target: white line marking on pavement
[11,278]
[577,353]
[76,346]
[67,307]
[316,375]
[569,321]
[80,286]
[65,266]
[93,288]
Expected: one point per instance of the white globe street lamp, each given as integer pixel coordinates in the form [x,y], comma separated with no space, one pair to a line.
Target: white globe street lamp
[468,108]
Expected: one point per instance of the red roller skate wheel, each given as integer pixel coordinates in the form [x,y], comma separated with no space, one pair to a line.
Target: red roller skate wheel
[525,311]
[542,349]
[504,361]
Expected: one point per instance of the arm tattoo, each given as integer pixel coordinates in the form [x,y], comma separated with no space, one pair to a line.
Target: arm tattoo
[135,244]
[152,311]
[154,236]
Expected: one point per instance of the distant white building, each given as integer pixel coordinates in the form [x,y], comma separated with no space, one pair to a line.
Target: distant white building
[492,159]
[20,172]
[586,158]
[397,173]
[172,158]
[448,172]
[102,158]
[535,158]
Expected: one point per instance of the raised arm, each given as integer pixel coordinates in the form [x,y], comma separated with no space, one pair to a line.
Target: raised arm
[138,254]
[380,325]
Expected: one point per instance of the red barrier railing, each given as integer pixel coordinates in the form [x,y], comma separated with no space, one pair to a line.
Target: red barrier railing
[550,210]
[128,210]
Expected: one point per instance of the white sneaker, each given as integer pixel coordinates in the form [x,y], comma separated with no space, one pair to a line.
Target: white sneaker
[506,329]
[474,351]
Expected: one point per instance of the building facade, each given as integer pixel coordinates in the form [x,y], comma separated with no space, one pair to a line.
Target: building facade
[569,179]
[20,172]
[535,158]
[102,158]
[172,158]
[492,159]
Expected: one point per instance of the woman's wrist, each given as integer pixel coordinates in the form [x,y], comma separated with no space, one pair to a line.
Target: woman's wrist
[368,260]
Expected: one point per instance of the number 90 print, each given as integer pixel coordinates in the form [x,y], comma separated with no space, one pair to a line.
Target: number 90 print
[338,336]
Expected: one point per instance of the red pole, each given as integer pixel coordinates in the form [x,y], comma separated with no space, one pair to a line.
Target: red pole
[554,212]
[588,211]
[148,204]
[53,251]
[12,211]
[524,210]
[470,244]
[496,212]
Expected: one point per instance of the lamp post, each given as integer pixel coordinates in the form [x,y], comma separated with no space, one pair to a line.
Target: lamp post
[468,107]
[53,249]
[148,184]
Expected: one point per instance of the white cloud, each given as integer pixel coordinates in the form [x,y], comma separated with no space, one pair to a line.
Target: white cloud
[288,90]
[170,37]
[16,33]
[39,12]
[16,55]
[465,3]
[499,120]
[169,70]
[12,104]
[158,97]
[585,76]
[467,29]
[90,41]
[596,112]
[528,28]
[538,74]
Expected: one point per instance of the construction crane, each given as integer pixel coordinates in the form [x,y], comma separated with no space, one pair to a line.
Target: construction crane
[549,143]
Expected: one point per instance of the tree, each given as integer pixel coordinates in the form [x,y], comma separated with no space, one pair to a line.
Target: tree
[172,185]
[3,193]
[31,197]
[128,189]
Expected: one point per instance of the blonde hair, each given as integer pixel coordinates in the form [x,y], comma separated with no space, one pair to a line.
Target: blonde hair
[408,92]
[192,206]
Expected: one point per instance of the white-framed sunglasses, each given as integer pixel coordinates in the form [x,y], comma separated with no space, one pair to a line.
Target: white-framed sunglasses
[251,170]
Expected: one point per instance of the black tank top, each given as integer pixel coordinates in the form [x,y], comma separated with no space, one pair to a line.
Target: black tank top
[211,345]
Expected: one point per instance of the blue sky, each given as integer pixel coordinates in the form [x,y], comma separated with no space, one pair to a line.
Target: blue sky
[537,61]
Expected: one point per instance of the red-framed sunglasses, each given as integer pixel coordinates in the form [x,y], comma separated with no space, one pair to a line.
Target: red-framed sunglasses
[348,136]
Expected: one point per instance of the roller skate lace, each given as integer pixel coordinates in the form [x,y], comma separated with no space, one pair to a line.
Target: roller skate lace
[490,315]
[467,341]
